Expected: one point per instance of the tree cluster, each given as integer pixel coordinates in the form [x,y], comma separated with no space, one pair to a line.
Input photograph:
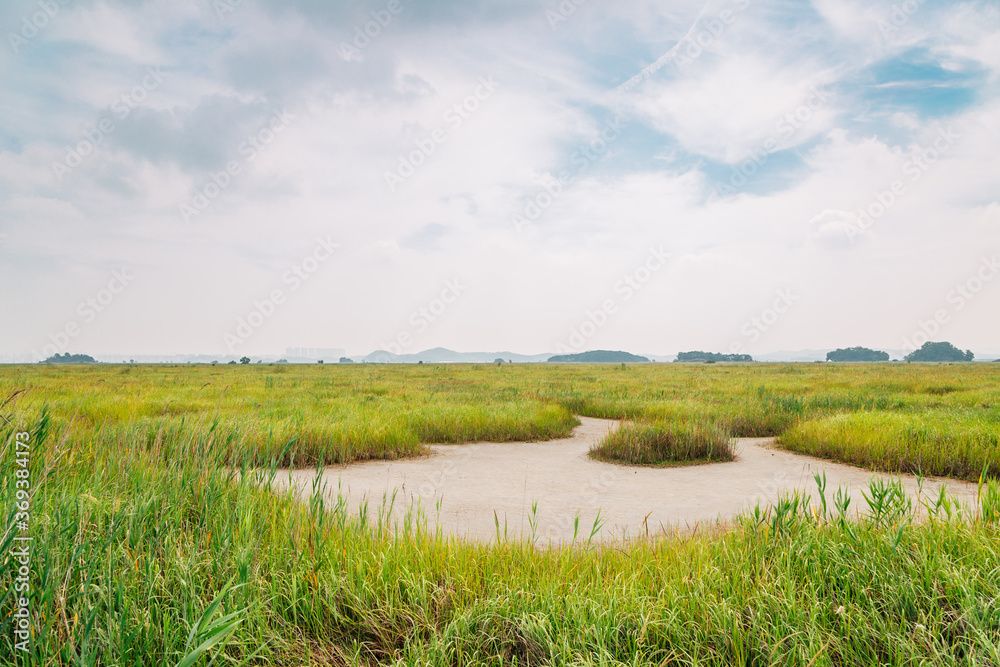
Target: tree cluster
[711,357]
[857,354]
[943,351]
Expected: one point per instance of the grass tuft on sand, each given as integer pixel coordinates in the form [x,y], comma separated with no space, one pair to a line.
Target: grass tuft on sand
[661,443]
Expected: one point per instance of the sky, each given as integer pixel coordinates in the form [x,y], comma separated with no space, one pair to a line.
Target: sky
[241,176]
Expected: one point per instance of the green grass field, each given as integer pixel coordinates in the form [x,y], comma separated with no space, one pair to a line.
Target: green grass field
[341,414]
[150,501]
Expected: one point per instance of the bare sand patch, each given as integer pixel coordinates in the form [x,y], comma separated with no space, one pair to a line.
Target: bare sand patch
[461,488]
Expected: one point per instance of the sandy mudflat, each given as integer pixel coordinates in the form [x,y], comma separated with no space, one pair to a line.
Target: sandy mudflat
[474,481]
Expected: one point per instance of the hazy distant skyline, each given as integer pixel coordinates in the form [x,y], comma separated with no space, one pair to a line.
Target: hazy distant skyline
[242,177]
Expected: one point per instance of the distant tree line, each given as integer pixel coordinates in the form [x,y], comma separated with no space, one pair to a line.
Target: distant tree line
[943,351]
[929,352]
[711,357]
[857,354]
[598,357]
[68,358]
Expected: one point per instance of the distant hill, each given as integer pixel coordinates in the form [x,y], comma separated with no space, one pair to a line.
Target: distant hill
[699,356]
[68,358]
[598,357]
[858,354]
[440,355]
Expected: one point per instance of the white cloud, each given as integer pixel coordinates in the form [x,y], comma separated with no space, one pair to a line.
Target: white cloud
[325,175]
[740,104]
[114,31]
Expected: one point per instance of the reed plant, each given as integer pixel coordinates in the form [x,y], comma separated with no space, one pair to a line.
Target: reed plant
[959,443]
[141,558]
[160,536]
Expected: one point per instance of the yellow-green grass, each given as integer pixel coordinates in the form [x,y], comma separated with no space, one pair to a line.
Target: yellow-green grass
[345,413]
[132,547]
[145,507]
[659,443]
[302,413]
[959,443]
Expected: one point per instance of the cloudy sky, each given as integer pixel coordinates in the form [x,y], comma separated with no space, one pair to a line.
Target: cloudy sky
[216,176]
